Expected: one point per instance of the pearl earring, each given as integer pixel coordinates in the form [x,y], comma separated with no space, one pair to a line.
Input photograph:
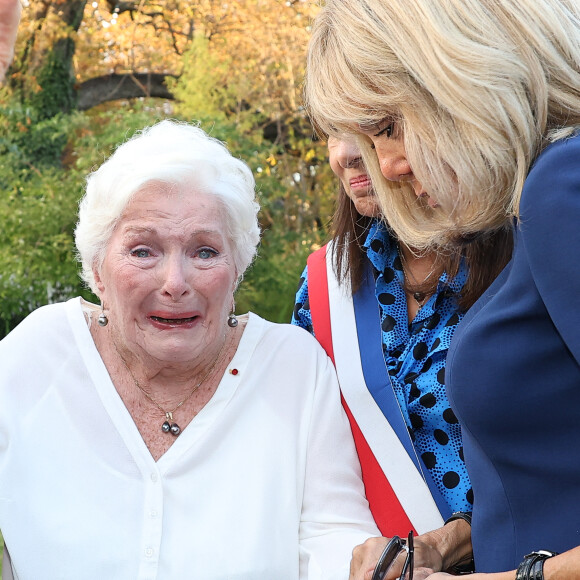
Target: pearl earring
[232,320]
[102,320]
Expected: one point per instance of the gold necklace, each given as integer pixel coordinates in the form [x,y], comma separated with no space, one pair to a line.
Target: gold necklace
[169,425]
[419,297]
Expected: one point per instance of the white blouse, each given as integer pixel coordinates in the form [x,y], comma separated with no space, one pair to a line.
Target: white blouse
[263,484]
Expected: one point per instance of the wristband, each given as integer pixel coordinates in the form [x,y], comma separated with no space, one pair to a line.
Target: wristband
[532,566]
[465,516]
[537,570]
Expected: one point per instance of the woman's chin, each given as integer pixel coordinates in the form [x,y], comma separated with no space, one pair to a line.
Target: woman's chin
[366,206]
[176,345]
[175,352]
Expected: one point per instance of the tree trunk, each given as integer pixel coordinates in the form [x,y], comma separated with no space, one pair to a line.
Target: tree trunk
[122,86]
[46,64]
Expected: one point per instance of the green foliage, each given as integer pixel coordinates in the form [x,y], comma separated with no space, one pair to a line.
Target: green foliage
[203,85]
[37,211]
[43,165]
[56,93]
[36,255]
[34,143]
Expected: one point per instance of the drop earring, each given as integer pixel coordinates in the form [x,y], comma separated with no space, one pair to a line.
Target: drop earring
[232,320]
[102,320]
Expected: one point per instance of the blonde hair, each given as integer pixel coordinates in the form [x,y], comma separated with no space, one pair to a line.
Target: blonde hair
[478,87]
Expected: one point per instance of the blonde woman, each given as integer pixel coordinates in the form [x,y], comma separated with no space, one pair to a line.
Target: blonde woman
[472,108]
[365,296]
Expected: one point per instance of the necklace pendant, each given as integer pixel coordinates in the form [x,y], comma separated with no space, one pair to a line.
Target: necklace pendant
[419,297]
[172,428]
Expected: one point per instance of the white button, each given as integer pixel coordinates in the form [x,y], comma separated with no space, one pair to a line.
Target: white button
[153,513]
[149,552]
[154,477]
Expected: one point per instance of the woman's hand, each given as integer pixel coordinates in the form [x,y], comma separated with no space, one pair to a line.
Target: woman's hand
[365,557]
[434,551]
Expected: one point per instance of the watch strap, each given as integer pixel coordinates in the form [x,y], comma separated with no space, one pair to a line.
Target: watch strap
[465,516]
[532,566]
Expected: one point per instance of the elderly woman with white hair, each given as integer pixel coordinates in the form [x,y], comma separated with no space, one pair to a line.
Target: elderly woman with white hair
[159,435]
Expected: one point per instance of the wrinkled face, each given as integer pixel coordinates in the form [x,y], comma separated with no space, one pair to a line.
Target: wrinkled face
[346,162]
[168,275]
[387,140]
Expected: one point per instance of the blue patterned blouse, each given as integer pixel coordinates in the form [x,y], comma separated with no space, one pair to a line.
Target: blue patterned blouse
[415,357]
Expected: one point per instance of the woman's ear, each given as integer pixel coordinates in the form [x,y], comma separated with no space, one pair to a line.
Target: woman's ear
[98,281]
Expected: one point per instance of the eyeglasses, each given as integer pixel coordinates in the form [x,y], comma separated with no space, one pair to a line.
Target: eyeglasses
[391,551]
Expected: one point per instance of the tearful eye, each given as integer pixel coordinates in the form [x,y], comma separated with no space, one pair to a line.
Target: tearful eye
[206,254]
[140,253]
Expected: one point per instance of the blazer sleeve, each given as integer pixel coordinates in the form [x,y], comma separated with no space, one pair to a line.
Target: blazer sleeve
[550,232]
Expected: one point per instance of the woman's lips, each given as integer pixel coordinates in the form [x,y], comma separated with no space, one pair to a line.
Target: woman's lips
[360,182]
[173,320]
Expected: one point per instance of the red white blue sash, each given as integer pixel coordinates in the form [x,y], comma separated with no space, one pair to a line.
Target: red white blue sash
[398,495]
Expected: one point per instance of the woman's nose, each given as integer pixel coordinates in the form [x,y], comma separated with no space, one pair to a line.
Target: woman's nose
[175,281]
[394,166]
[348,154]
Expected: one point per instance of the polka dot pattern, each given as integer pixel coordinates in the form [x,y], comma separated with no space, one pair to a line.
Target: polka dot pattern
[415,357]
[301,315]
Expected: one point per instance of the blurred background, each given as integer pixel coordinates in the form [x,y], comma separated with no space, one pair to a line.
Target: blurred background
[87,75]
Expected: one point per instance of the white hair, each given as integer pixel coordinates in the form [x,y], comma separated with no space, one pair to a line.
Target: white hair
[172,154]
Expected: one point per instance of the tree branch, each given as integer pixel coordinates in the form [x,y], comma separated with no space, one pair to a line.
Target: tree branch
[122,86]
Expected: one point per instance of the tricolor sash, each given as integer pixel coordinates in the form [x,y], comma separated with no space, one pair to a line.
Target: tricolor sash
[348,328]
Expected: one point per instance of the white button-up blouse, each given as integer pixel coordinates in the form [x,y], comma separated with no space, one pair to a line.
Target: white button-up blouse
[263,484]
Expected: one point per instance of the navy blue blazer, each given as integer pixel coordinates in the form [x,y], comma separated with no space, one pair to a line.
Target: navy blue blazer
[513,377]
